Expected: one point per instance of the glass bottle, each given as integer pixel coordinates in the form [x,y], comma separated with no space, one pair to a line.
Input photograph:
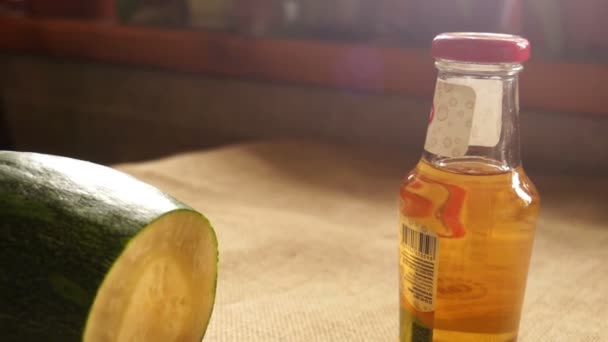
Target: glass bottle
[468,211]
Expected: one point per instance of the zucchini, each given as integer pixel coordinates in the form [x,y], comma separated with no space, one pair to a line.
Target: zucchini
[90,254]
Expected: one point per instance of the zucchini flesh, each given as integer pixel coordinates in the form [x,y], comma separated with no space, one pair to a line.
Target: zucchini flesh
[158,289]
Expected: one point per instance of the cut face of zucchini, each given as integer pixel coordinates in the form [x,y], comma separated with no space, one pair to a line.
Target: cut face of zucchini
[160,288]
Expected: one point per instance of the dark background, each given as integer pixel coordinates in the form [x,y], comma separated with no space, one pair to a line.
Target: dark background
[117,81]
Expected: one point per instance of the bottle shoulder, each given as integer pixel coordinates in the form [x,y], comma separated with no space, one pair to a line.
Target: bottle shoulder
[485,182]
[453,203]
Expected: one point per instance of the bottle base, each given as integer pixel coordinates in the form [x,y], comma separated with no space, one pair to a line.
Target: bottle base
[461,336]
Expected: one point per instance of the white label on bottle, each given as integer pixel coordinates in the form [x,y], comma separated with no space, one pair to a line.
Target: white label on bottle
[466,112]
[487,114]
[418,252]
[451,120]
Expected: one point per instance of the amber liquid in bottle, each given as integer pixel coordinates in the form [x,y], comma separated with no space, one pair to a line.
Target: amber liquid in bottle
[485,219]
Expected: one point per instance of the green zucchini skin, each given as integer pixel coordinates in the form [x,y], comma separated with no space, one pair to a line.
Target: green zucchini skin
[63,223]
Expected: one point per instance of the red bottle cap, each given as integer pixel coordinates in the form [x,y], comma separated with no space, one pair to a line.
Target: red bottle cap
[481,47]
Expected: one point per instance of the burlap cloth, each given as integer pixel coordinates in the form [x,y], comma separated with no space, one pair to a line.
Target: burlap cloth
[308,245]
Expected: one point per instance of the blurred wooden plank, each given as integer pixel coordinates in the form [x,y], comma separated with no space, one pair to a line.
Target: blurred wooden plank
[569,87]
[5,136]
[572,87]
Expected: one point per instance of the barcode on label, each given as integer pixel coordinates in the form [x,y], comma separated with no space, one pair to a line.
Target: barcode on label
[424,244]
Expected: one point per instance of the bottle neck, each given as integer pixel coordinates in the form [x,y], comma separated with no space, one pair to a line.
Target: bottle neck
[474,125]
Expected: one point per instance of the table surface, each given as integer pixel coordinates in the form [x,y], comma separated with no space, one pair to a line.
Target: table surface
[308,242]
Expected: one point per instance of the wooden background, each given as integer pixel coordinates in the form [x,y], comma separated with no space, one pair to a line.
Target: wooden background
[112,93]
